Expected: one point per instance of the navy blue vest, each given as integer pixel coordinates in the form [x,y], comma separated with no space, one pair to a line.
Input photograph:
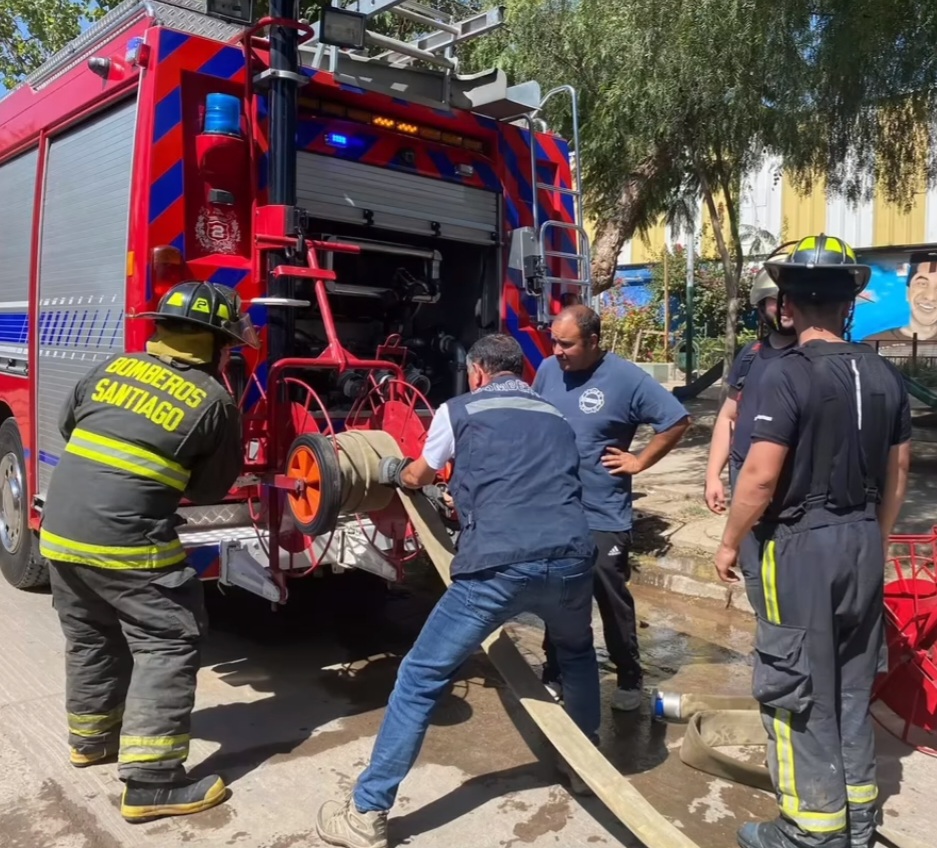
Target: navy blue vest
[516,479]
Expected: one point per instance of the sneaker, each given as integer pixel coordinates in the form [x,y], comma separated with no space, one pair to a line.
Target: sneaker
[627,700]
[143,802]
[340,823]
[576,784]
[92,756]
[555,688]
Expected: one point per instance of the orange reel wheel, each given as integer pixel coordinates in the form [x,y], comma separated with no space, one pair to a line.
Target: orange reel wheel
[304,414]
[314,503]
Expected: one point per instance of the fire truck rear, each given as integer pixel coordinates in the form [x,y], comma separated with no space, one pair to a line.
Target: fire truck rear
[377,210]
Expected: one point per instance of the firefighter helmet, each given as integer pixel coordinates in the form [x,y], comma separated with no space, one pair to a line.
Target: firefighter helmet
[209,305]
[763,287]
[820,268]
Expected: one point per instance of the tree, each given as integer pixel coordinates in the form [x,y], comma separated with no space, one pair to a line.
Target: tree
[681,100]
[32,30]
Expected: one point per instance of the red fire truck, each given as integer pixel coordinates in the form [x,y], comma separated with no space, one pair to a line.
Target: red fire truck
[377,210]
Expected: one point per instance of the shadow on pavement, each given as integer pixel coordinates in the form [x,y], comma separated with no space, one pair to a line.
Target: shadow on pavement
[331,653]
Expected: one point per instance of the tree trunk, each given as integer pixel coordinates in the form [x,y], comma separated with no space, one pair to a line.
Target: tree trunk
[731,269]
[610,238]
[630,211]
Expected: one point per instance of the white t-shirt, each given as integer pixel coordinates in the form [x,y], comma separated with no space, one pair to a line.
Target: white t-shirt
[439,447]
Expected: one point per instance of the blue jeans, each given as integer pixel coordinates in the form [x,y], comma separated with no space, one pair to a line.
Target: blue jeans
[474,606]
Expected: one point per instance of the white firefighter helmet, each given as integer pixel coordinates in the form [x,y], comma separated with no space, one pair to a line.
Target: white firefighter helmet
[762,287]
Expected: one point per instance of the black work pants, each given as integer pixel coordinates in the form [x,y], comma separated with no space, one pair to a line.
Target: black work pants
[132,655]
[818,598]
[616,607]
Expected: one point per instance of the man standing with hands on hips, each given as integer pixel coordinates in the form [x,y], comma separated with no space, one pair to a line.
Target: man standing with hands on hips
[605,398]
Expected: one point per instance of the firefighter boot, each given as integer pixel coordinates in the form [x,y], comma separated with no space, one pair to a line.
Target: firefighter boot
[862,824]
[84,757]
[340,823]
[143,802]
[779,834]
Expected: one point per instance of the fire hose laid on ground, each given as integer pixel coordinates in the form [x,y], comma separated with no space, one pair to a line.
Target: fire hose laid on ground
[714,721]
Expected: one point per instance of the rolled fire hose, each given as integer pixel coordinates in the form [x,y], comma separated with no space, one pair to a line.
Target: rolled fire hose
[717,721]
[359,455]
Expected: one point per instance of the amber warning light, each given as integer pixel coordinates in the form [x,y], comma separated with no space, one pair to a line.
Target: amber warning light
[167,268]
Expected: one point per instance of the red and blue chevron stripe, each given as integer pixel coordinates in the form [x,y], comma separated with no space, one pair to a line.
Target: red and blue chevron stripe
[507,172]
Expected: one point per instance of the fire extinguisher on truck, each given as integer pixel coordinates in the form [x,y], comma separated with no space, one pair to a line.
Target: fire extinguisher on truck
[377,216]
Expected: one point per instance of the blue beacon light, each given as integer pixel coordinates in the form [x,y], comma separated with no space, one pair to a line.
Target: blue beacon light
[222,115]
[335,139]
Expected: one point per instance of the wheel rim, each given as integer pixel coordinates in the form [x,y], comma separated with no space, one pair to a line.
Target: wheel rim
[11,503]
[303,466]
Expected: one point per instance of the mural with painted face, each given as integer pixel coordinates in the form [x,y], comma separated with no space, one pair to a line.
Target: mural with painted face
[902,303]
[922,297]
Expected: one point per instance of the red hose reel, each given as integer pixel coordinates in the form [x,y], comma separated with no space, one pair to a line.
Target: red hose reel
[909,687]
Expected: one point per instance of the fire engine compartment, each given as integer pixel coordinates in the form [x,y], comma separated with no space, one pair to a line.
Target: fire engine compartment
[429,272]
[436,296]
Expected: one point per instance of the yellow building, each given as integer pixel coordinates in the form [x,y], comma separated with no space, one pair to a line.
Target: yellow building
[771,204]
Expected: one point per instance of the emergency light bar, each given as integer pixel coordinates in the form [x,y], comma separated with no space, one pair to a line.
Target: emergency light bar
[360,116]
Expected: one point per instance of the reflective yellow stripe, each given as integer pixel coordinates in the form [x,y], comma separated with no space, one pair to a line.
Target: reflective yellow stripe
[94,725]
[153,749]
[127,457]
[59,548]
[864,794]
[787,785]
[787,776]
[769,581]
[818,822]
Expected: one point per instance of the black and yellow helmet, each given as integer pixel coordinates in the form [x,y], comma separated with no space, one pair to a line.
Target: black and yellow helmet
[207,305]
[820,268]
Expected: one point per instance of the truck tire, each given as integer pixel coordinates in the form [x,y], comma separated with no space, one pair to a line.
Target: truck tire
[20,563]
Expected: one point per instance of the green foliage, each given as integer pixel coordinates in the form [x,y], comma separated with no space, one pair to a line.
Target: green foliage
[32,30]
[924,371]
[858,103]
[710,306]
[636,335]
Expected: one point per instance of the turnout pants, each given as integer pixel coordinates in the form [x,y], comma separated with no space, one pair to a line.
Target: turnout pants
[817,593]
[617,609]
[132,655]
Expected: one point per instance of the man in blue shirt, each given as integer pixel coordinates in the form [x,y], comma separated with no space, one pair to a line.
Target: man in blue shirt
[605,398]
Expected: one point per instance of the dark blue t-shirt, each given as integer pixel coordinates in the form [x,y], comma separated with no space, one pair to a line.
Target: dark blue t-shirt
[750,397]
[605,406]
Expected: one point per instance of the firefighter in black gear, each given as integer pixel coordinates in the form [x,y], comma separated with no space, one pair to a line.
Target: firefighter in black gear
[142,431]
[826,475]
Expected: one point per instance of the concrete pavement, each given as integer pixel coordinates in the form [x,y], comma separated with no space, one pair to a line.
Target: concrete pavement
[289,704]
[287,711]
